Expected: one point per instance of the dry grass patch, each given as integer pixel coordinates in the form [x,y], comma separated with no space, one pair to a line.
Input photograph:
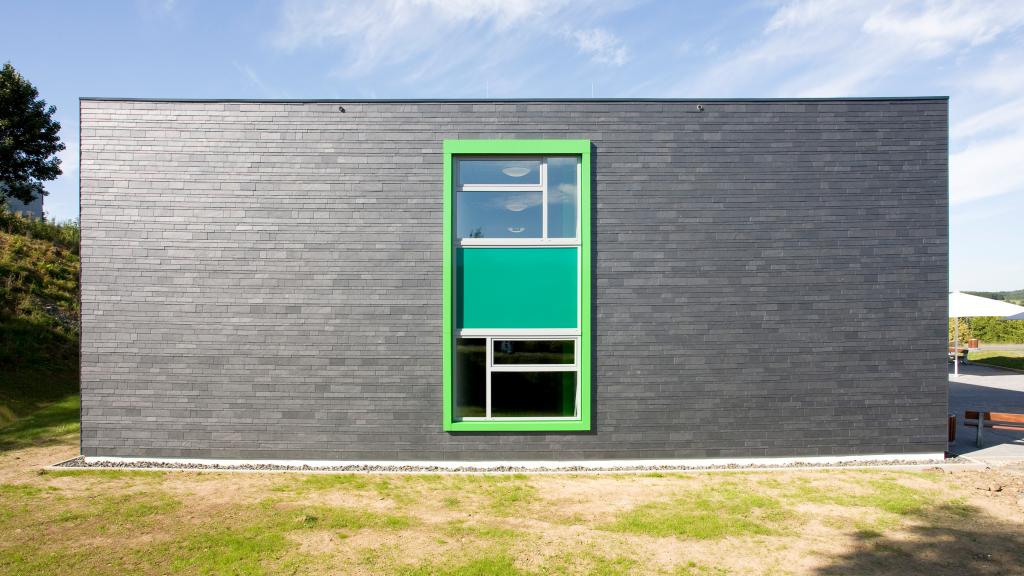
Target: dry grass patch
[788,522]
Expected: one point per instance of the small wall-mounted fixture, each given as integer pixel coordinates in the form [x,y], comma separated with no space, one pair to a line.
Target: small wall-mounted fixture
[700,107]
[341,108]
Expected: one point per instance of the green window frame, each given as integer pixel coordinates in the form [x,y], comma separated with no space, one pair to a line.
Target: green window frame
[458,148]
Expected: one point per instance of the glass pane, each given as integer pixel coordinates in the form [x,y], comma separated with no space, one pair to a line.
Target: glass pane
[470,377]
[563,190]
[534,351]
[533,394]
[499,214]
[499,171]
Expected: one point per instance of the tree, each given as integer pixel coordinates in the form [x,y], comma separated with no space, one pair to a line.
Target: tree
[29,138]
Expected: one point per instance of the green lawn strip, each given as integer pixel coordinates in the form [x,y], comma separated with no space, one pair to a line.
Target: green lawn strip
[502,495]
[255,541]
[696,569]
[501,560]
[125,522]
[322,482]
[498,494]
[248,550]
[1002,358]
[711,512]
[882,492]
[50,423]
[49,530]
[108,524]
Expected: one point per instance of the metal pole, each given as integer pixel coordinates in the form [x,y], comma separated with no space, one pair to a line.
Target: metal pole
[981,424]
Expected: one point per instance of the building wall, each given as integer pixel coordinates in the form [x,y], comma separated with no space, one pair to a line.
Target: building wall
[263,280]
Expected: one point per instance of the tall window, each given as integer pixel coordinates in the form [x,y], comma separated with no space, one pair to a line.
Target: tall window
[517,302]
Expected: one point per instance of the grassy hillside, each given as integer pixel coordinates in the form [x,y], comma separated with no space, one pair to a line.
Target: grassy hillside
[39,327]
[1014,296]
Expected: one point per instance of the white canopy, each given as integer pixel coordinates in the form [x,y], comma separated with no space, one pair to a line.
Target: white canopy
[1015,317]
[967,305]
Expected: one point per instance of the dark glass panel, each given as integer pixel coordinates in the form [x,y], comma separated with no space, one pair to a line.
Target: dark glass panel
[470,377]
[533,394]
[534,351]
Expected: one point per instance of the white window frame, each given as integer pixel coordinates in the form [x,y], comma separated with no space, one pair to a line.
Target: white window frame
[542,187]
[492,334]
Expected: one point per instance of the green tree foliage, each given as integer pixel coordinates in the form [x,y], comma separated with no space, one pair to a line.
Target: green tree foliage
[995,330]
[989,330]
[965,331]
[29,138]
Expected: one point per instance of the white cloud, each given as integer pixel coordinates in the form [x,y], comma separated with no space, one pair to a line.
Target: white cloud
[1002,76]
[601,45]
[392,31]
[989,168]
[938,27]
[265,89]
[563,193]
[847,47]
[439,37]
[518,202]
[804,13]
[1000,119]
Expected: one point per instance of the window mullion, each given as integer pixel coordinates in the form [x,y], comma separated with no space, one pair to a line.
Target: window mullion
[544,198]
[576,362]
[535,368]
[489,361]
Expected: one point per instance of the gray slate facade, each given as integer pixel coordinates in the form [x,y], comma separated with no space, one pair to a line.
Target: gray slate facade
[263,279]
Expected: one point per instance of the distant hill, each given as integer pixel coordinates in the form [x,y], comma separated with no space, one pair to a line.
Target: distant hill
[1014,296]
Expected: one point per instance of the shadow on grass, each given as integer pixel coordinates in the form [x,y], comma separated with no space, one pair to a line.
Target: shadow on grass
[44,427]
[944,542]
[1001,361]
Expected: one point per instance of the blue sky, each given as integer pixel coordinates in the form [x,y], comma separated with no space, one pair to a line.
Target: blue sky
[970,51]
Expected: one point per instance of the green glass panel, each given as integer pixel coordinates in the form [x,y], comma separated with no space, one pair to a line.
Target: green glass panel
[517,287]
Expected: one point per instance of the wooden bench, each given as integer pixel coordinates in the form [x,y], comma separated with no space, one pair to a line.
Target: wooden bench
[961,352]
[993,420]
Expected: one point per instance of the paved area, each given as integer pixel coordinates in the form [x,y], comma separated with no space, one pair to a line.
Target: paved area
[986,389]
[1001,347]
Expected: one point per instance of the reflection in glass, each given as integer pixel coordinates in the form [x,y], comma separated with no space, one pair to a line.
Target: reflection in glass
[470,377]
[499,214]
[562,194]
[533,394]
[534,351]
[499,171]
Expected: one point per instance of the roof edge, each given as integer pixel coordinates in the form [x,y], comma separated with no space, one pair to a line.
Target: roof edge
[497,100]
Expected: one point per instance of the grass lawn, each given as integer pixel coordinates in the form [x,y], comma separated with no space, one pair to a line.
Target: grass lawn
[709,524]
[1004,358]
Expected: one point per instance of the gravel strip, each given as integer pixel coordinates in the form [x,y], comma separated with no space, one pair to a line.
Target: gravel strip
[79,463]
